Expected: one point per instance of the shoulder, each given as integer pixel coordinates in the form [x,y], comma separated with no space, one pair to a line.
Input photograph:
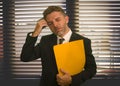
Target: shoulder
[78,36]
[48,37]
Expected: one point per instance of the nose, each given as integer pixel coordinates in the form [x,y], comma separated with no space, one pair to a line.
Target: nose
[55,24]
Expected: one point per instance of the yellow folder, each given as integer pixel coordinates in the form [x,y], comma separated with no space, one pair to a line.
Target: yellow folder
[70,56]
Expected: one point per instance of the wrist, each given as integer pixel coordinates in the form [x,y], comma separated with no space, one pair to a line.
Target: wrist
[34,34]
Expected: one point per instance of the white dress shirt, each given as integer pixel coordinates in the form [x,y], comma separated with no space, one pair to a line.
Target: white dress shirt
[66,37]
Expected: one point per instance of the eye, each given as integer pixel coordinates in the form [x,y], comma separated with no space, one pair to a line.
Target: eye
[58,19]
[49,23]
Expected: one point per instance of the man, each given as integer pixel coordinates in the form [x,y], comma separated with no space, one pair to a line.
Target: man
[57,21]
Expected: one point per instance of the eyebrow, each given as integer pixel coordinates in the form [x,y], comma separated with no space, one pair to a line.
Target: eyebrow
[55,19]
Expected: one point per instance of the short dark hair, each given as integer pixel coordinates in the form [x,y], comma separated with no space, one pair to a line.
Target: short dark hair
[51,9]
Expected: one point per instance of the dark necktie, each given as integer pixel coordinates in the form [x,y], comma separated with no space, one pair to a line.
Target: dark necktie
[61,40]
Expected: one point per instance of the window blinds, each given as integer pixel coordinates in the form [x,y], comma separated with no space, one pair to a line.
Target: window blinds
[27,13]
[1,37]
[96,19]
[99,20]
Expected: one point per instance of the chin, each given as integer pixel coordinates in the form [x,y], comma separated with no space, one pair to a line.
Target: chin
[60,34]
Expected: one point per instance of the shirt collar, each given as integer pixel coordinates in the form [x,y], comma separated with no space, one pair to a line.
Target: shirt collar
[66,36]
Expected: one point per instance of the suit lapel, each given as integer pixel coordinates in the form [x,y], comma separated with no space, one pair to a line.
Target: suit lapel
[75,36]
[53,40]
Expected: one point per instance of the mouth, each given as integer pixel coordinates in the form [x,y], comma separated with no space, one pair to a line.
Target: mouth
[60,33]
[58,30]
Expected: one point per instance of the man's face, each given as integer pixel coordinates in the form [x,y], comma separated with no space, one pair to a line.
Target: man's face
[58,23]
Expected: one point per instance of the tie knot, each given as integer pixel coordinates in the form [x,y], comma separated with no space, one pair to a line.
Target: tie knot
[61,40]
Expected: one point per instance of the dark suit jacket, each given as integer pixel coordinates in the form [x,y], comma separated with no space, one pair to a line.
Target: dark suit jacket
[44,50]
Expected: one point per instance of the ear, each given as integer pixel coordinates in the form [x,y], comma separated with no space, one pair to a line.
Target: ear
[67,19]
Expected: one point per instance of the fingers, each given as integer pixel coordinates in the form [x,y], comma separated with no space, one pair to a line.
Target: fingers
[64,79]
[42,23]
[39,26]
[59,79]
[63,71]
[40,19]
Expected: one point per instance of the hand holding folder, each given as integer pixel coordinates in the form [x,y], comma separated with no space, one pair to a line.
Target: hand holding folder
[70,56]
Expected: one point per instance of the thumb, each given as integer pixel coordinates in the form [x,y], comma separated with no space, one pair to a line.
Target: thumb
[63,71]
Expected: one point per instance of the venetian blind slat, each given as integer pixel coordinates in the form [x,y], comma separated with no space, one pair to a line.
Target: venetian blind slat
[99,21]
[27,12]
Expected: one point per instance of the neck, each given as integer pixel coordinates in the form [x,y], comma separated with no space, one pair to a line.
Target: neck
[67,30]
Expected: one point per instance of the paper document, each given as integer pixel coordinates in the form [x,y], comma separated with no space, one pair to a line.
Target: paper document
[70,56]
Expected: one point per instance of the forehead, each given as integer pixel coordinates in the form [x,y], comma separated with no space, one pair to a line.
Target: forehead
[54,15]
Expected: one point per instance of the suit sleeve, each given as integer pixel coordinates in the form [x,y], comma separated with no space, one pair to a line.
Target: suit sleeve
[90,66]
[29,50]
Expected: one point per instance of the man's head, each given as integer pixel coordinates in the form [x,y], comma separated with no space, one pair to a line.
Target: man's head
[57,20]
[51,9]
